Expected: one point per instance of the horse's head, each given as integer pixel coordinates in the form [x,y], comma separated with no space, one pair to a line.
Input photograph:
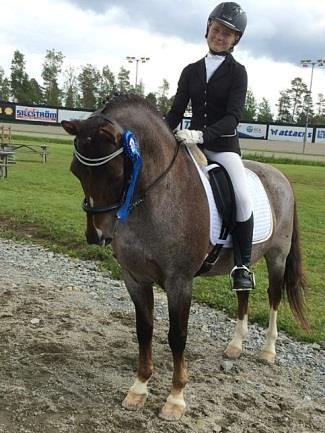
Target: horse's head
[98,164]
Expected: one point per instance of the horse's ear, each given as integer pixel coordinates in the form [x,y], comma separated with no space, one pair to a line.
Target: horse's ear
[72,127]
[111,132]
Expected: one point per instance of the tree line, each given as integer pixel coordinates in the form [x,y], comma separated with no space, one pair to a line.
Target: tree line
[89,88]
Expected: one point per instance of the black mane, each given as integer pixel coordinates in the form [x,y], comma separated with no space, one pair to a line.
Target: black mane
[121,99]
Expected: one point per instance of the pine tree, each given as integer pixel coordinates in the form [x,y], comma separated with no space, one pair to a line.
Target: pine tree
[284,107]
[35,92]
[19,79]
[89,84]
[264,113]
[250,109]
[70,89]
[319,119]
[152,99]
[4,86]
[163,101]
[123,81]
[297,93]
[51,69]
[107,85]
[307,112]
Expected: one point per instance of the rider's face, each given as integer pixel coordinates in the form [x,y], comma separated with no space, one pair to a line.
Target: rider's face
[220,38]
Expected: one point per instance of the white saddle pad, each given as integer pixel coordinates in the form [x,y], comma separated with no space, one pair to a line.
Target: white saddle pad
[263,222]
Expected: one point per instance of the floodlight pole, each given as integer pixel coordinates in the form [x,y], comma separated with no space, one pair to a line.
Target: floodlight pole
[306,63]
[136,60]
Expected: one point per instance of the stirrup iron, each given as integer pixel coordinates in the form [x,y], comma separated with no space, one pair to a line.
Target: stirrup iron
[251,274]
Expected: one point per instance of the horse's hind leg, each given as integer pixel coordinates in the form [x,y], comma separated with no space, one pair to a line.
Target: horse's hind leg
[235,346]
[275,260]
[179,301]
[142,297]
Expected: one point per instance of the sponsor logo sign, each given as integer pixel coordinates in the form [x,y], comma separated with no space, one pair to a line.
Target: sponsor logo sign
[289,133]
[7,111]
[36,114]
[252,130]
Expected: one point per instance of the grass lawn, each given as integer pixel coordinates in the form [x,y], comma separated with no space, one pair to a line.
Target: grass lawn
[41,202]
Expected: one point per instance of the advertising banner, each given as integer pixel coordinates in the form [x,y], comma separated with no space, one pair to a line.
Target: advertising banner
[72,115]
[252,130]
[320,135]
[289,133]
[36,114]
[7,111]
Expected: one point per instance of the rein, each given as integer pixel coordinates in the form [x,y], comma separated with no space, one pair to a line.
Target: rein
[130,148]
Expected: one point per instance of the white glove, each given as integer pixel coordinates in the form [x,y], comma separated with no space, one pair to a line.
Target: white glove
[189,137]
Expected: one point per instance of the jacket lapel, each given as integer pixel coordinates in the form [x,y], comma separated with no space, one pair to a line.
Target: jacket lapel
[223,69]
[201,71]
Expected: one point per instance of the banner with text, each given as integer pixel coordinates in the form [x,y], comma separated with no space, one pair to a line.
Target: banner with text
[252,130]
[72,115]
[320,135]
[289,133]
[36,114]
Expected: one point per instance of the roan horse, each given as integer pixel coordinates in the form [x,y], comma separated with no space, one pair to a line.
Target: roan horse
[166,235]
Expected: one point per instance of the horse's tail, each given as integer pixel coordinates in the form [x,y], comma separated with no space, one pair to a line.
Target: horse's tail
[294,281]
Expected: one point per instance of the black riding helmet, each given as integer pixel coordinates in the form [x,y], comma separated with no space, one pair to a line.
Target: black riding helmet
[231,15]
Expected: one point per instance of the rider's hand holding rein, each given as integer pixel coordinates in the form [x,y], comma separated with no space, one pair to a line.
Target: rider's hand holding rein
[189,137]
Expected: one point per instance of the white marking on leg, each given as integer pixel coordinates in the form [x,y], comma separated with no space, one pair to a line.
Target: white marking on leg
[140,387]
[241,332]
[176,398]
[271,333]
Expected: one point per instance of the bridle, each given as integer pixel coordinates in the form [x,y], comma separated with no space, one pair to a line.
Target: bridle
[96,162]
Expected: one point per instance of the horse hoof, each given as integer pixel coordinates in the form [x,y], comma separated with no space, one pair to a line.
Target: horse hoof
[172,412]
[268,357]
[232,352]
[134,401]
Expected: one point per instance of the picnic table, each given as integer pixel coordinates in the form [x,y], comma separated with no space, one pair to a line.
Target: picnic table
[40,150]
[5,155]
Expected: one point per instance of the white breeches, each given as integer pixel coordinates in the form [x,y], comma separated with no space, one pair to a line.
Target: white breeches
[235,168]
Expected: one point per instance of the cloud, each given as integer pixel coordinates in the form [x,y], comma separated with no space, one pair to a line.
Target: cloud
[171,33]
[282,30]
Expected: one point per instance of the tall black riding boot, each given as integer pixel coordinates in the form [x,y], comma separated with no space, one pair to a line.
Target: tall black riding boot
[243,277]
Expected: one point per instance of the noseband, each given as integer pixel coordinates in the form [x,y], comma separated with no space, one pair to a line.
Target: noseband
[129,146]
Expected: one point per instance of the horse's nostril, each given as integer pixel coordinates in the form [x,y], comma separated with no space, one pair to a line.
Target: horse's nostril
[103,241]
[108,240]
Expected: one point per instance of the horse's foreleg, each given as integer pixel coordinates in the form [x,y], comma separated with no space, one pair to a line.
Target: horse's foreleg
[235,346]
[179,302]
[142,297]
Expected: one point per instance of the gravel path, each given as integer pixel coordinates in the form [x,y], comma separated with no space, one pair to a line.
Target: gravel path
[68,352]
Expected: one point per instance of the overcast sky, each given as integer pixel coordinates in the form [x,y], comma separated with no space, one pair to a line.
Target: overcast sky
[171,32]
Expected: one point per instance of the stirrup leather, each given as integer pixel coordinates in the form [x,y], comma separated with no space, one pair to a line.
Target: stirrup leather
[251,274]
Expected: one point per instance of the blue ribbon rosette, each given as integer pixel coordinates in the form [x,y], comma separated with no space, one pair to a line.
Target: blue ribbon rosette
[131,148]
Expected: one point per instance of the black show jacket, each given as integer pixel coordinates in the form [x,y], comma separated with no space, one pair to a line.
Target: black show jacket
[217,106]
